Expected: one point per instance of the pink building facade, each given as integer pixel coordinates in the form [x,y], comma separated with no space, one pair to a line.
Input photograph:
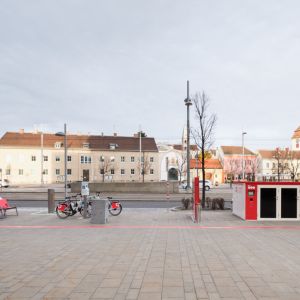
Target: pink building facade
[232,159]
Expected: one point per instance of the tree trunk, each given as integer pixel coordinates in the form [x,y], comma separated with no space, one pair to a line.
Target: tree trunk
[203,177]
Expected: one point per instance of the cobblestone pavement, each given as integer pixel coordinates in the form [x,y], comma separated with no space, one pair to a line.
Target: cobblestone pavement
[148,254]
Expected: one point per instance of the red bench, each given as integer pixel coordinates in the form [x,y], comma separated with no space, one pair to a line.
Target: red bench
[4,206]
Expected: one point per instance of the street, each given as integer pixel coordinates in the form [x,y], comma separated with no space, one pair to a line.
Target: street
[37,197]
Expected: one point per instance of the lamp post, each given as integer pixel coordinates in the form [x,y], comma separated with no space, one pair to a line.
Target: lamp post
[42,158]
[188,103]
[243,165]
[64,134]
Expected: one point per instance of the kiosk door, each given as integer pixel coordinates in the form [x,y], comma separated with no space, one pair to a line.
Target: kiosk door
[268,203]
[289,203]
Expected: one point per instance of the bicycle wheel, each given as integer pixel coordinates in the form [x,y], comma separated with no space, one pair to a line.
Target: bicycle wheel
[115,208]
[62,210]
[88,210]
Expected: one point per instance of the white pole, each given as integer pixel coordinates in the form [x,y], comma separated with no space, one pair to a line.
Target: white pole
[243,165]
[65,144]
[140,133]
[42,157]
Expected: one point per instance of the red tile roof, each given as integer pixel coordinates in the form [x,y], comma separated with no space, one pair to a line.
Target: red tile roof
[296,133]
[269,154]
[96,142]
[209,164]
[231,150]
[179,147]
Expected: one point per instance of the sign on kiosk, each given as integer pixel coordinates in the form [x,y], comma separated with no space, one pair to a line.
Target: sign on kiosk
[85,191]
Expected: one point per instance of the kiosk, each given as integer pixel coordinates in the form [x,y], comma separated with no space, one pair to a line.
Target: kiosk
[266,200]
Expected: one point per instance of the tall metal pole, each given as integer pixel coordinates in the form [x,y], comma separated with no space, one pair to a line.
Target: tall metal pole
[188,103]
[243,165]
[140,136]
[65,143]
[42,158]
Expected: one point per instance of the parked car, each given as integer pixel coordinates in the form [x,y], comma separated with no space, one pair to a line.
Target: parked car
[207,184]
[3,183]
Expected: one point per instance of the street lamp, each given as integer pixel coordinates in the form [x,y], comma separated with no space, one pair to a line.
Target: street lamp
[243,166]
[188,103]
[64,134]
[42,158]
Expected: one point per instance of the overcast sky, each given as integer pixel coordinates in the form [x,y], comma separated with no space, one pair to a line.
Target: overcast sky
[112,66]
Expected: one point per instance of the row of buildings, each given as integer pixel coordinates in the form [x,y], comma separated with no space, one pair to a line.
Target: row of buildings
[39,158]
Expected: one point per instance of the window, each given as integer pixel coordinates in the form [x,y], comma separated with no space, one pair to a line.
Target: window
[57,158]
[7,171]
[45,158]
[45,171]
[69,158]
[112,171]
[112,158]
[151,171]
[20,171]
[274,165]
[267,165]
[122,158]
[85,159]
[132,171]
[86,145]
[151,159]
[122,171]
[102,158]
[132,159]
[33,158]
[69,171]
[101,171]
[57,171]
[57,145]
[113,146]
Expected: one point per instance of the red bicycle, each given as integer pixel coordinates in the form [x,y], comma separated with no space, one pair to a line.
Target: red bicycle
[114,206]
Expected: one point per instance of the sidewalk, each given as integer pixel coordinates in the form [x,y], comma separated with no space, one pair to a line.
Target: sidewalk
[148,254]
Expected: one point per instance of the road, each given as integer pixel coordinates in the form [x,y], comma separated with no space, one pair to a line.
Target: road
[37,197]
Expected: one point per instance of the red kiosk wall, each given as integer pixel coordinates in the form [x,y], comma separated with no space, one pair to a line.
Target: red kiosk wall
[251,201]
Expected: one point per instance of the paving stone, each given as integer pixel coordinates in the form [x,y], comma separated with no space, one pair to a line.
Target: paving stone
[171,292]
[79,296]
[105,293]
[132,294]
[149,296]
[25,292]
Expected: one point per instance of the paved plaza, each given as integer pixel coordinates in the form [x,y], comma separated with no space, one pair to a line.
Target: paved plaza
[148,254]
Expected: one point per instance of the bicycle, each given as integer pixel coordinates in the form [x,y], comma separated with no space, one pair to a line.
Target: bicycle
[71,205]
[114,206]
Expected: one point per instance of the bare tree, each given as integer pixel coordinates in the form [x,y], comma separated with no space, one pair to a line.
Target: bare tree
[181,164]
[293,165]
[203,133]
[254,166]
[145,166]
[231,168]
[281,158]
[106,164]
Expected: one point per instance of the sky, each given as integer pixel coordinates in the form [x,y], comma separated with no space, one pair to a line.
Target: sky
[117,66]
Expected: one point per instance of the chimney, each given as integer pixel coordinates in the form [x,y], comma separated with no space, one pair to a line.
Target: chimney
[115,134]
[21,131]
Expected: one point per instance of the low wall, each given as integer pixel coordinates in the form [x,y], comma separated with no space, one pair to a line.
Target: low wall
[129,187]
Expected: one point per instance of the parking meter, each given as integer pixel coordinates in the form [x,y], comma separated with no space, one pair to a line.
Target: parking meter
[85,191]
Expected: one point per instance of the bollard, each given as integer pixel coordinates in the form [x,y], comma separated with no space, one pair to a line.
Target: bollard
[51,201]
[99,211]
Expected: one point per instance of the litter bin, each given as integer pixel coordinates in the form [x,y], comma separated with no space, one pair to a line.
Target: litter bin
[99,211]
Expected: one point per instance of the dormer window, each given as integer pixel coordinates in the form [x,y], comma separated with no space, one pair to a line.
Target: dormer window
[86,145]
[113,146]
[57,145]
